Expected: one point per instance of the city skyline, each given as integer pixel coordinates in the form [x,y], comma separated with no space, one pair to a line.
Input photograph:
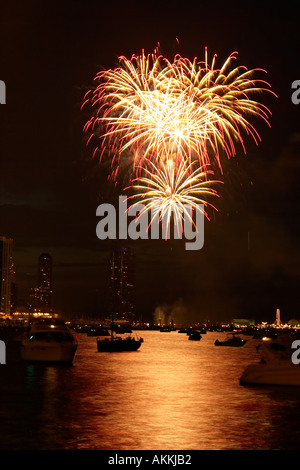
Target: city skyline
[51,186]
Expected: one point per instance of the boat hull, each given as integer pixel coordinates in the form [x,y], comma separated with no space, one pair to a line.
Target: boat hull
[49,341]
[277,373]
[106,345]
[233,344]
[43,352]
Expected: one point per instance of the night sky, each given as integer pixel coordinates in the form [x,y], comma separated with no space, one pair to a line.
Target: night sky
[50,52]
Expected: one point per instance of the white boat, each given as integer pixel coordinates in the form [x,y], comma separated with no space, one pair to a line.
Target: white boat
[275,367]
[49,341]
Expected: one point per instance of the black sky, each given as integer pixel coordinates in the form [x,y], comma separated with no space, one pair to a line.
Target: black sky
[50,52]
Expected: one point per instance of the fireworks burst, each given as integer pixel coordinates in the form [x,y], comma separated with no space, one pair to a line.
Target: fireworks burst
[172,116]
[153,106]
[173,188]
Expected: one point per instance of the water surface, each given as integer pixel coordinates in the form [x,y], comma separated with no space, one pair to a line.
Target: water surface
[172,394]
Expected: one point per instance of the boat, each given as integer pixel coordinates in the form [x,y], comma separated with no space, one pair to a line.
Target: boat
[98,331]
[276,366]
[194,336]
[165,329]
[118,344]
[233,341]
[49,341]
[121,329]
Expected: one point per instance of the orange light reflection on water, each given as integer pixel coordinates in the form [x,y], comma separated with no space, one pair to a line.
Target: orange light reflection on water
[172,394]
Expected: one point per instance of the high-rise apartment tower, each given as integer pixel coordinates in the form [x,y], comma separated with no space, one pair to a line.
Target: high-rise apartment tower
[6,272]
[122,284]
[45,282]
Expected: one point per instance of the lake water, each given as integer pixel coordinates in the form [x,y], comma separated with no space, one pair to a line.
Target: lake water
[171,394]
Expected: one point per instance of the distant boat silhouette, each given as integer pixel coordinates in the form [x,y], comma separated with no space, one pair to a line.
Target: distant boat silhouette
[194,336]
[234,341]
[116,343]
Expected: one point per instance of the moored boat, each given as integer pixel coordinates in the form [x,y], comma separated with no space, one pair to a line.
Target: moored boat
[276,366]
[118,344]
[49,341]
[98,331]
[233,341]
[280,373]
[194,336]
[165,329]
